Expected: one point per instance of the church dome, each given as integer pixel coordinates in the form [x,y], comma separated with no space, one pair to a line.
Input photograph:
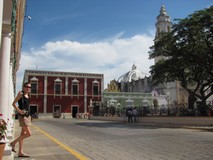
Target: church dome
[134,74]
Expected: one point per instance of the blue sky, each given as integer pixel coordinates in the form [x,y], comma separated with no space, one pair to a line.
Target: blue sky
[95,36]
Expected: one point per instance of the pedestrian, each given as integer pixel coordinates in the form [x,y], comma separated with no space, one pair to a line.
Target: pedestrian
[134,114]
[129,115]
[24,118]
[124,116]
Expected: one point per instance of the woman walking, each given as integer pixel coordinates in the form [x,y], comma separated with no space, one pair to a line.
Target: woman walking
[24,118]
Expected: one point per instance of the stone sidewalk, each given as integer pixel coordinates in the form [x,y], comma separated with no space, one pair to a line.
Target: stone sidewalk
[39,147]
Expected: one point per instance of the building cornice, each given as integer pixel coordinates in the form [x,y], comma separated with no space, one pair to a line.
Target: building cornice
[63,74]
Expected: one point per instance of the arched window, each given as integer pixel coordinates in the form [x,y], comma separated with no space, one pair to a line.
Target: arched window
[95,87]
[34,85]
[158,33]
[75,87]
[57,86]
[168,29]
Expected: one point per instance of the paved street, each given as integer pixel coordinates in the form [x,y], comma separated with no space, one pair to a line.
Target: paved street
[103,140]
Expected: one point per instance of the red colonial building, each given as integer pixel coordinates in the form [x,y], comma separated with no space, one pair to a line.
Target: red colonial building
[55,93]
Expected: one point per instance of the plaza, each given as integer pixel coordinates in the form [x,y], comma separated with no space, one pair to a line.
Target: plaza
[103,140]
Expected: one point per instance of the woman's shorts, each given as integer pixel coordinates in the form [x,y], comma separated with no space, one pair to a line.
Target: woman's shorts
[24,121]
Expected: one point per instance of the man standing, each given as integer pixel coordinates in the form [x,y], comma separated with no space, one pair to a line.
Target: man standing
[134,114]
[129,115]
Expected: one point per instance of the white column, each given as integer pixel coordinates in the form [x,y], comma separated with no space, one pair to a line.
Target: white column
[10,120]
[102,91]
[4,77]
[85,95]
[66,85]
[45,94]
[1,17]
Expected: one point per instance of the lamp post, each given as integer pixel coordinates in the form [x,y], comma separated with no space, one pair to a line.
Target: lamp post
[107,108]
[111,108]
[168,99]
[118,109]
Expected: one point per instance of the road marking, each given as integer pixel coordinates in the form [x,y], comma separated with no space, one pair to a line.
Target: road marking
[76,154]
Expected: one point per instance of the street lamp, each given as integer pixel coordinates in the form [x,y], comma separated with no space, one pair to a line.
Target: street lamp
[168,99]
[28,17]
[118,109]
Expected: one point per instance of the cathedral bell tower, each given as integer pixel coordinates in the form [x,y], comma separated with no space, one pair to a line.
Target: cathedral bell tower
[163,24]
[173,91]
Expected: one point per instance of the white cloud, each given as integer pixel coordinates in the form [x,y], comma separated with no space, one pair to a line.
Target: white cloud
[111,58]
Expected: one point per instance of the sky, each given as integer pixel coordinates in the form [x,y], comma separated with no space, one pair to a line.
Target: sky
[95,36]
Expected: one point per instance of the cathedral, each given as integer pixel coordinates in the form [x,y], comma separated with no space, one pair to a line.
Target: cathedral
[135,81]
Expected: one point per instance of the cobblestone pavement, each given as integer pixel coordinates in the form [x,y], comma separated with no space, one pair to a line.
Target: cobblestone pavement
[104,140]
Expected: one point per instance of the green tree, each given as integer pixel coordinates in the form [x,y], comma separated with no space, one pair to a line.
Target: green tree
[188,55]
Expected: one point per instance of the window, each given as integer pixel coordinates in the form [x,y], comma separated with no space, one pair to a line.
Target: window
[158,33]
[34,88]
[95,90]
[75,86]
[57,86]
[95,87]
[34,85]
[74,89]
[168,29]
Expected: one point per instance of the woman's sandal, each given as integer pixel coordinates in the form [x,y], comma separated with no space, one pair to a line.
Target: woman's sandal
[23,155]
[13,148]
